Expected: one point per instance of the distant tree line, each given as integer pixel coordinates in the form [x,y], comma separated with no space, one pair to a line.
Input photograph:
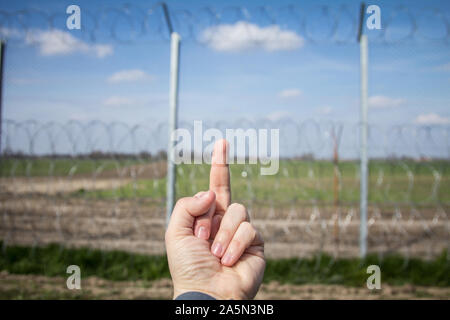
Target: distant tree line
[95,155]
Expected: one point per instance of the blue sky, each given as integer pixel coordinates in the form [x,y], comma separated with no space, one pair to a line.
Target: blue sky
[297,78]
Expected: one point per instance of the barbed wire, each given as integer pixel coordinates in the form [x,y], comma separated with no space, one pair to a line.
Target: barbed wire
[297,138]
[101,185]
[314,24]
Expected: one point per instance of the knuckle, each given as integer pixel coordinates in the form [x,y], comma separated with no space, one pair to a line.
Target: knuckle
[247,226]
[253,232]
[249,229]
[239,210]
[242,216]
[237,206]
[182,202]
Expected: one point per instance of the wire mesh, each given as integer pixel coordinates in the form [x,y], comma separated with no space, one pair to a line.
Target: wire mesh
[103,185]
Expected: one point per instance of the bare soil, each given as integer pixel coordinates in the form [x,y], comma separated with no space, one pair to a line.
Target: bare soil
[13,286]
[107,179]
[42,210]
[139,226]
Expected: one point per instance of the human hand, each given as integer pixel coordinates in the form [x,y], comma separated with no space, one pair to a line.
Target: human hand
[211,245]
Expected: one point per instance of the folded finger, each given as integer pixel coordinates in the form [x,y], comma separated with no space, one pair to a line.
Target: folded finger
[233,217]
[202,226]
[186,210]
[215,225]
[243,238]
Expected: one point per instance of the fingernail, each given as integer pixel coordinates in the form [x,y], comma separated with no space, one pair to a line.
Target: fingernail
[202,233]
[217,249]
[227,259]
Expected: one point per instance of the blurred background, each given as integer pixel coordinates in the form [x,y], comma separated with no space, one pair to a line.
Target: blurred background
[84,138]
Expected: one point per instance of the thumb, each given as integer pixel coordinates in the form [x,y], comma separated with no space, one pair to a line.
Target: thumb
[187,209]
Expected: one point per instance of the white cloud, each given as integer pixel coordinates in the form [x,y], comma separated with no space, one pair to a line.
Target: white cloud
[380,102]
[129,76]
[277,115]
[116,101]
[243,36]
[431,118]
[9,33]
[290,93]
[58,42]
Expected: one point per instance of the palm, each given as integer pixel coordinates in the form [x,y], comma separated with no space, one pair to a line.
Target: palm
[217,278]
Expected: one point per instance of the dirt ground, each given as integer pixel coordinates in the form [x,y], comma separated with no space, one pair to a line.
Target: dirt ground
[139,225]
[14,286]
[41,210]
[107,179]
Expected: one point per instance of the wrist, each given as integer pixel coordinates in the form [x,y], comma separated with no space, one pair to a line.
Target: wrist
[178,292]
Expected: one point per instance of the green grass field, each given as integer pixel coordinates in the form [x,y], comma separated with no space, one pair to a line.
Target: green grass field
[44,167]
[426,183]
[52,260]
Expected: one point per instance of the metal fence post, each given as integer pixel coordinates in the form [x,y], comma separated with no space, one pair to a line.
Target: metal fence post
[171,168]
[364,160]
[363,45]
[2,59]
[173,111]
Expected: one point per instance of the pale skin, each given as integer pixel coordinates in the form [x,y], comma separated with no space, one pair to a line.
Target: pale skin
[211,245]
